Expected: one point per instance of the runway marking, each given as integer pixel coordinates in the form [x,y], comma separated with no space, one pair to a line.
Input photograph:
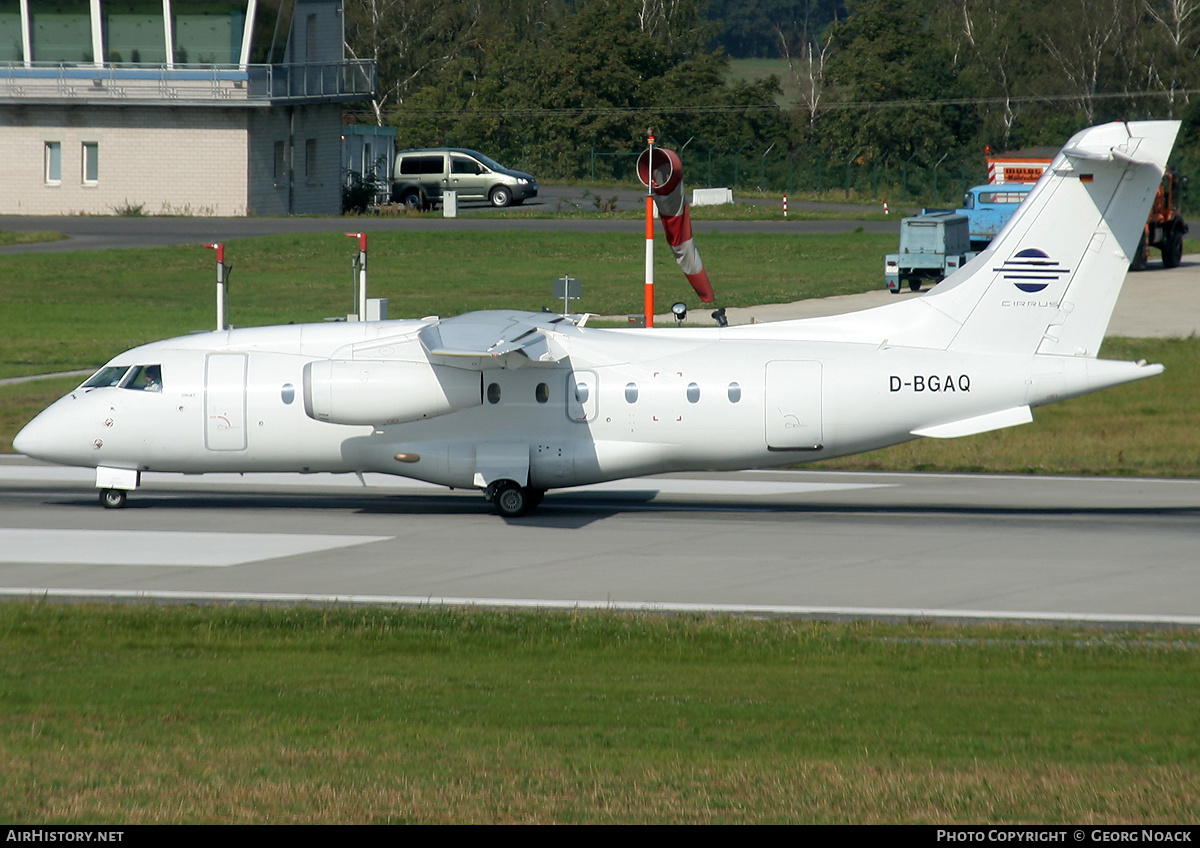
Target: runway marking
[902,613]
[162,547]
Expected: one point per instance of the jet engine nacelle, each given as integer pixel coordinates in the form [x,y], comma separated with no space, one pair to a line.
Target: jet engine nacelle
[347,391]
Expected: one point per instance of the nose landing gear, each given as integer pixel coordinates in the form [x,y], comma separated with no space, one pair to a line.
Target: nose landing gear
[112,498]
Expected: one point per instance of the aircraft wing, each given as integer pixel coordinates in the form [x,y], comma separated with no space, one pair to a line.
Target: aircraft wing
[497,337]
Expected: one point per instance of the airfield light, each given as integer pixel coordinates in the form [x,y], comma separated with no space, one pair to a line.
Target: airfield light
[360,274]
[679,310]
[222,286]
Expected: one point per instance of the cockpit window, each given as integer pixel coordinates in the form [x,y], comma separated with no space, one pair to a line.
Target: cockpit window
[107,376]
[144,378]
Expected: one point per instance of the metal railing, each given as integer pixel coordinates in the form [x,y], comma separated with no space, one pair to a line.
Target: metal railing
[354,79]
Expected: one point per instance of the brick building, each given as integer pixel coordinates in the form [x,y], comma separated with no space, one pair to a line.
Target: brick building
[194,107]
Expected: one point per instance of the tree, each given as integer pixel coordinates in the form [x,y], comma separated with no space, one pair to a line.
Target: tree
[892,66]
[409,40]
[592,74]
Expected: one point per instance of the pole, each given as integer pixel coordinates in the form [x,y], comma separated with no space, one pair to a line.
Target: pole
[649,302]
[222,283]
[362,274]
[785,206]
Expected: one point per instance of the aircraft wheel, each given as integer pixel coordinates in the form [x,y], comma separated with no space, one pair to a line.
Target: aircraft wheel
[511,499]
[112,498]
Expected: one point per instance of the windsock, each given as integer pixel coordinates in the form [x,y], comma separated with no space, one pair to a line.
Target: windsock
[665,179]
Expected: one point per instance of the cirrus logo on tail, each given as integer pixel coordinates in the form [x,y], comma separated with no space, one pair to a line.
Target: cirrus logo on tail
[1031,270]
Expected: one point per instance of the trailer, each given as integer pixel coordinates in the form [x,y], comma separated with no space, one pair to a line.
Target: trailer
[932,246]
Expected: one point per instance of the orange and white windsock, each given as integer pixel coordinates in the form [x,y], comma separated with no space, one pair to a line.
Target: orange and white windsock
[664,178]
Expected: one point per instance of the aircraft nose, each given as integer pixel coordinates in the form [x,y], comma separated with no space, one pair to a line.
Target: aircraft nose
[33,439]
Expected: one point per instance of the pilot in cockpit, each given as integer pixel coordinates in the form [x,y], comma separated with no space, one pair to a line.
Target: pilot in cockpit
[153,378]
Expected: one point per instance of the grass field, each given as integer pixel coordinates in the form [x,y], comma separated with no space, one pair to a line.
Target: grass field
[75,310]
[135,714]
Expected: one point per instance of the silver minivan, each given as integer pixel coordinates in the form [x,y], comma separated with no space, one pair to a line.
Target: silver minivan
[421,176]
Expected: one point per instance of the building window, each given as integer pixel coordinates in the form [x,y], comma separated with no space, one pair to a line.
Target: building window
[278,173]
[53,162]
[91,162]
[61,32]
[310,160]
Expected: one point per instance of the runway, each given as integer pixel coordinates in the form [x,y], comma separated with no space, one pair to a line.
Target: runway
[824,544]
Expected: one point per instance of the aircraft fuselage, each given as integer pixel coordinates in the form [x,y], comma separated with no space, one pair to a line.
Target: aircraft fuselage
[625,403]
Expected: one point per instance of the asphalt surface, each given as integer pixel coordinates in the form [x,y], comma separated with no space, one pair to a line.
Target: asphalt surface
[823,544]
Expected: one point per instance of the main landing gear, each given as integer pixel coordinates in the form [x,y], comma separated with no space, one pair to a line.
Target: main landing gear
[513,500]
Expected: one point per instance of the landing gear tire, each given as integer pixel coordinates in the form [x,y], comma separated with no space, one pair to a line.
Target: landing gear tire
[512,500]
[112,498]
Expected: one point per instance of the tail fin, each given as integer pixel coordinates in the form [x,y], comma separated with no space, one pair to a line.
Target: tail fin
[1049,280]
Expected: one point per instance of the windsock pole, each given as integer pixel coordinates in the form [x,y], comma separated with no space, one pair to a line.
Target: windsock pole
[649,303]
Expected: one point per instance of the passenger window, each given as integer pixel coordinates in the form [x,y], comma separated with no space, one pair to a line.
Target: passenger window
[108,376]
[693,393]
[735,392]
[421,165]
[465,166]
[542,393]
[144,378]
[631,392]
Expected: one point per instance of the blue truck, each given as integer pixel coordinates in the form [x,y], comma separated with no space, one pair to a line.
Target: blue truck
[988,208]
[932,246]
[938,242]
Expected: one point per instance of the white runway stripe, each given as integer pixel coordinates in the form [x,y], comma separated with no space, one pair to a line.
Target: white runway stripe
[162,547]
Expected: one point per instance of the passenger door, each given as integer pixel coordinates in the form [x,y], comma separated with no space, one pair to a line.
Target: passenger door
[225,401]
[468,177]
[793,405]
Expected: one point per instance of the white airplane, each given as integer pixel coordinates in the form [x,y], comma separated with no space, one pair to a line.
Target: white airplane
[516,403]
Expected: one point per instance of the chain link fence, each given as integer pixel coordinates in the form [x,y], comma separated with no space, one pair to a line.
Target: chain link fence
[912,180]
